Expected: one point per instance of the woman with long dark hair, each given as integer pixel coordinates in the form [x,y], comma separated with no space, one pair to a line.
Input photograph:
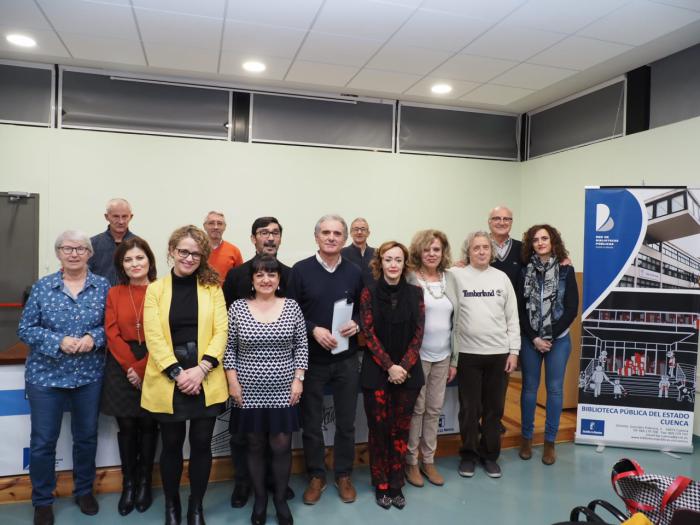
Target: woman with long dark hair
[125,366]
[548,302]
[393,317]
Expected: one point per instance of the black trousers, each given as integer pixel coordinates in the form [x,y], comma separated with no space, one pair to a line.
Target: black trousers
[343,378]
[481,382]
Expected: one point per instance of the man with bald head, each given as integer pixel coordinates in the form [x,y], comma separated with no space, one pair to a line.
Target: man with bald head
[508,250]
[118,215]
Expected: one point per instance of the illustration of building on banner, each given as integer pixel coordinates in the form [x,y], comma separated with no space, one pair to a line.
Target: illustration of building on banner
[632,350]
[660,263]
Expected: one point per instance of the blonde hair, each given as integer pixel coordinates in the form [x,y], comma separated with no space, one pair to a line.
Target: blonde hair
[422,240]
[206,275]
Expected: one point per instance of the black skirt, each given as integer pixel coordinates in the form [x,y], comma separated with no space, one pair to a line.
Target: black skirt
[188,407]
[119,397]
[272,420]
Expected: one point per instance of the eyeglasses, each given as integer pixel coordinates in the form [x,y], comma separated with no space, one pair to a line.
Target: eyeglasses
[501,219]
[359,229]
[184,254]
[268,233]
[67,250]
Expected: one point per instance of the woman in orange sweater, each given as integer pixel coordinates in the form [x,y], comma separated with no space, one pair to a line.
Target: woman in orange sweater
[124,369]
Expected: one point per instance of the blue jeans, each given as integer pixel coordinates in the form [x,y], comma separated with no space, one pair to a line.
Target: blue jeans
[47,405]
[554,368]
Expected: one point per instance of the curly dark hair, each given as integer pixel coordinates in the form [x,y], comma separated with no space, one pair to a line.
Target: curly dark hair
[206,275]
[559,251]
[376,262]
[120,253]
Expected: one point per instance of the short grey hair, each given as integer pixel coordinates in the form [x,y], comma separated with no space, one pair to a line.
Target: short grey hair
[500,207]
[470,238]
[214,212]
[331,217]
[113,202]
[75,236]
[359,219]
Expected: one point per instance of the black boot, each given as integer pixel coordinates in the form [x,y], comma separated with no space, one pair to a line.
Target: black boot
[195,513]
[127,454]
[284,514]
[173,510]
[144,498]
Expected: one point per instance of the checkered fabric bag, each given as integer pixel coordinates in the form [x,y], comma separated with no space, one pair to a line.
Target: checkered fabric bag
[658,497]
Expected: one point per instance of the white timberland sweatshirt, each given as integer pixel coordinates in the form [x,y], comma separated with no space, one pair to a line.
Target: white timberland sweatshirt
[487,318]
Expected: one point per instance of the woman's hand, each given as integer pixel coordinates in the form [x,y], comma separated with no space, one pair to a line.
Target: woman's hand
[542,345]
[133,378]
[397,374]
[189,381]
[511,363]
[452,374]
[85,344]
[69,345]
[297,389]
[236,392]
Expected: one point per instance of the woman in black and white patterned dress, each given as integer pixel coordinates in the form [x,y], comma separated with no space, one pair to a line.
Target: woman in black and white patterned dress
[265,359]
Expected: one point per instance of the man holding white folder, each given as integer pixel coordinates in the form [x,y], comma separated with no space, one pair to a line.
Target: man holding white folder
[327,289]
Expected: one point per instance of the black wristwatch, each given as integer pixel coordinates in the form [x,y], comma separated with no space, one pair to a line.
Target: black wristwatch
[175,372]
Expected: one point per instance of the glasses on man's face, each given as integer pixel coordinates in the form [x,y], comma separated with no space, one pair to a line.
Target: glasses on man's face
[501,219]
[184,254]
[359,229]
[268,233]
[67,250]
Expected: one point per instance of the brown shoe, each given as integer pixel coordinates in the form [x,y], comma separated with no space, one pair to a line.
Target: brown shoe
[549,456]
[525,448]
[430,471]
[413,475]
[346,491]
[313,492]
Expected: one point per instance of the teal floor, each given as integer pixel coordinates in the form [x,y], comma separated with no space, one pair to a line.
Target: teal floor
[529,493]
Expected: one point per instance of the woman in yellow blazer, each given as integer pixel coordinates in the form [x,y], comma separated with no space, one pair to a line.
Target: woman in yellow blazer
[185,324]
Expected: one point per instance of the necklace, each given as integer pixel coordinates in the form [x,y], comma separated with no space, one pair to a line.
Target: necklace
[429,289]
[137,314]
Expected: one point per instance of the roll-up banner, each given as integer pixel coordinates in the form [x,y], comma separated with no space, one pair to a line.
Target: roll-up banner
[641,309]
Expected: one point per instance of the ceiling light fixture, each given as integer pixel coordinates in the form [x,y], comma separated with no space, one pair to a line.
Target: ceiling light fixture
[21,40]
[254,66]
[441,89]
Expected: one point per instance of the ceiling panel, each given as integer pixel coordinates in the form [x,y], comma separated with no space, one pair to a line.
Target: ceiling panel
[182,58]
[210,8]
[473,68]
[383,81]
[579,53]
[119,51]
[48,44]
[492,10]
[322,74]
[408,59]
[337,49]
[179,30]
[361,18]
[297,14]
[422,88]
[437,30]
[512,42]
[91,18]
[687,4]
[496,95]
[561,16]
[531,76]
[21,14]
[632,24]
[232,64]
[257,40]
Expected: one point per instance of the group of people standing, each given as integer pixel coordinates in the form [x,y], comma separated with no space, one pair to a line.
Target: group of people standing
[156,354]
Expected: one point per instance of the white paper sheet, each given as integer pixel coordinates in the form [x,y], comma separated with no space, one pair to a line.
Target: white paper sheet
[342,313]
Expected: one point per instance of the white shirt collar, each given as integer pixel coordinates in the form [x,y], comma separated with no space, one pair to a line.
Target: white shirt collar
[329,269]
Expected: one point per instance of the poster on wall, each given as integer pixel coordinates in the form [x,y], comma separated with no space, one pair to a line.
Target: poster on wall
[641,311]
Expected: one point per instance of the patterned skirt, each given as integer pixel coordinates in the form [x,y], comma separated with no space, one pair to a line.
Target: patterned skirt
[119,397]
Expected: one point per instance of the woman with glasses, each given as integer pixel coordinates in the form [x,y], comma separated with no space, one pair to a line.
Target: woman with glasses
[185,325]
[393,316]
[63,325]
[127,355]
[429,256]
[265,360]
[548,301]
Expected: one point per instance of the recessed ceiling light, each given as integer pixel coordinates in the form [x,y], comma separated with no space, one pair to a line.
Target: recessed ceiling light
[254,66]
[441,89]
[21,40]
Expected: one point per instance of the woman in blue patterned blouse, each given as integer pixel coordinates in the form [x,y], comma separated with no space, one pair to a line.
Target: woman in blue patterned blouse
[62,324]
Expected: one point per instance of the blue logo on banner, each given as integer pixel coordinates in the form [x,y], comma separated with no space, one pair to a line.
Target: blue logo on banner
[593,427]
[613,225]
[25,458]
